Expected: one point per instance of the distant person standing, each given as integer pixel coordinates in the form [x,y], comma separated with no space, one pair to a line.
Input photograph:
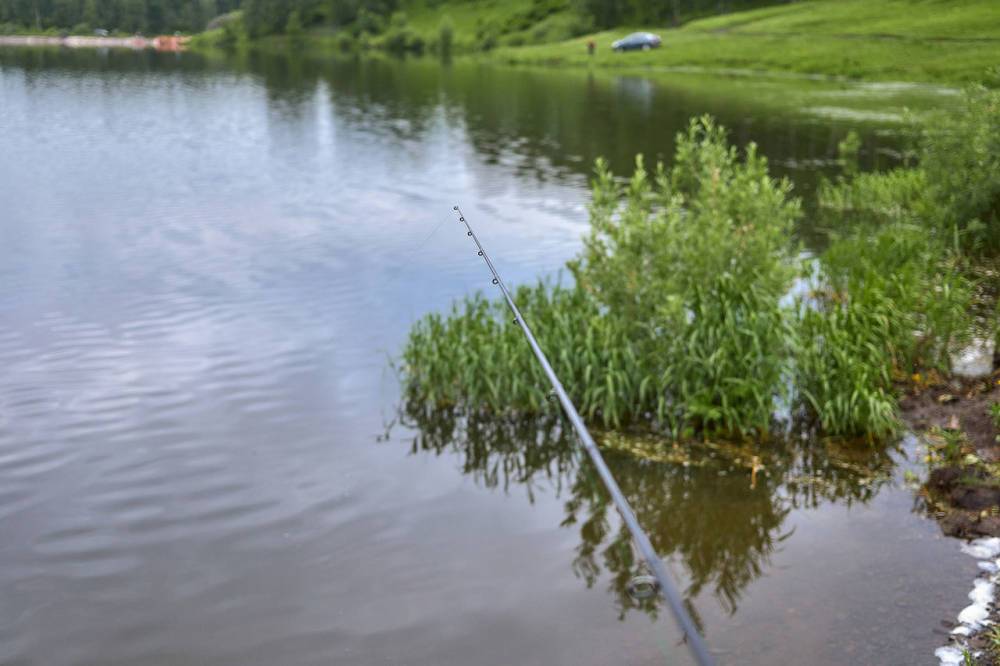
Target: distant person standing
[590,47]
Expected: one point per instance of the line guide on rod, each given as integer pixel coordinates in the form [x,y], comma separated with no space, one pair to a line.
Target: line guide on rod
[665,583]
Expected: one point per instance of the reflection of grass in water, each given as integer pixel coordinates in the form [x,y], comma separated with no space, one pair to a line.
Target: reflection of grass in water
[705,513]
[856,102]
[877,103]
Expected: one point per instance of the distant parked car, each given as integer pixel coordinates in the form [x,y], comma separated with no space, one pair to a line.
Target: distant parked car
[637,41]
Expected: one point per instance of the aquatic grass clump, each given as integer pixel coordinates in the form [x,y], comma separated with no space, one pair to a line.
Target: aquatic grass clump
[915,286]
[960,153]
[843,372]
[476,358]
[953,192]
[674,317]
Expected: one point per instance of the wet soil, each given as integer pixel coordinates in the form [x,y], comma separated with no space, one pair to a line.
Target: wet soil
[965,495]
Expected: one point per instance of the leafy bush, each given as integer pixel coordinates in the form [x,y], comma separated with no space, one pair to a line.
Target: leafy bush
[674,317]
[954,192]
[293,27]
[487,34]
[368,22]
[400,37]
[446,37]
[232,33]
[960,153]
[694,262]
[344,42]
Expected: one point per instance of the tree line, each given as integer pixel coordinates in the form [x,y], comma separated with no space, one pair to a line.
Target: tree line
[610,13]
[263,17]
[146,16]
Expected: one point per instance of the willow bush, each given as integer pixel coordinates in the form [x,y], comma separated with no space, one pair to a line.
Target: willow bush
[674,317]
[680,315]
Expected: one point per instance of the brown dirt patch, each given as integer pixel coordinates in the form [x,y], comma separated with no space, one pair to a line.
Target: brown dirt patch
[967,497]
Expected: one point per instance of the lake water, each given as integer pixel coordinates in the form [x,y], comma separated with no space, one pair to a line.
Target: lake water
[207,266]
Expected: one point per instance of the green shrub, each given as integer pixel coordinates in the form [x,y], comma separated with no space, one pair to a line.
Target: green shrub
[400,37]
[232,33]
[368,22]
[487,34]
[344,42]
[674,317]
[293,28]
[694,262]
[960,153]
[954,192]
[446,37]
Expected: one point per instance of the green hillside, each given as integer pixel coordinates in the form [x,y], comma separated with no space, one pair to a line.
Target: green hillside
[946,41]
[913,40]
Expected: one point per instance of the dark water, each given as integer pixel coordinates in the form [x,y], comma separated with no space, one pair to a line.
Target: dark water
[206,267]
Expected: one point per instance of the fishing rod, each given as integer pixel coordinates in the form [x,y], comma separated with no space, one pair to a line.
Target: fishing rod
[665,584]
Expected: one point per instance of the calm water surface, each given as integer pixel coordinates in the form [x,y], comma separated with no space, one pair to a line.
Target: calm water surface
[206,267]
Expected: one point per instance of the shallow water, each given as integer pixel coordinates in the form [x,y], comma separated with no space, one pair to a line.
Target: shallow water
[206,267]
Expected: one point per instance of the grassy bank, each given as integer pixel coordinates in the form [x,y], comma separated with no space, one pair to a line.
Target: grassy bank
[947,41]
[906,40]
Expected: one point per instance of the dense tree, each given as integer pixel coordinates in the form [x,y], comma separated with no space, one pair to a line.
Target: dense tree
[154,16]
[608,13]
[264,17]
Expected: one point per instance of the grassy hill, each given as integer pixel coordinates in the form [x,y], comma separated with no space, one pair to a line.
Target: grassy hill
[912,40]
[946,41]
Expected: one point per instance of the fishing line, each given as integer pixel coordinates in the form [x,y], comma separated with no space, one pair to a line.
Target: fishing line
[665,585]
[433,231]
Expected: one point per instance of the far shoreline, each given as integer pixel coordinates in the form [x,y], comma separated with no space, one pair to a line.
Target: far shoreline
[135,42]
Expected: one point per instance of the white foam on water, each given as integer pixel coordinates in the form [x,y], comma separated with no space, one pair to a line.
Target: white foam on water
[988,567]
[973,615]
[976,615]
[982,549]
[949,656]
[982,592]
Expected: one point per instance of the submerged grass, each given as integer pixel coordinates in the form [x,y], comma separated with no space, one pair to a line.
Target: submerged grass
[680,315]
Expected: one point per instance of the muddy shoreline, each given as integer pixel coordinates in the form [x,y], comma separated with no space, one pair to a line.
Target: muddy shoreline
[962,487]
[962,491]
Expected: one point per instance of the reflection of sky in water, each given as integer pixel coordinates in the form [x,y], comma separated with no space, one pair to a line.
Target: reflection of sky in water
[206,268]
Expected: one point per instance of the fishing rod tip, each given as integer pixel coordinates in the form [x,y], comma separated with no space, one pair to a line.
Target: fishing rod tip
[454,207]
